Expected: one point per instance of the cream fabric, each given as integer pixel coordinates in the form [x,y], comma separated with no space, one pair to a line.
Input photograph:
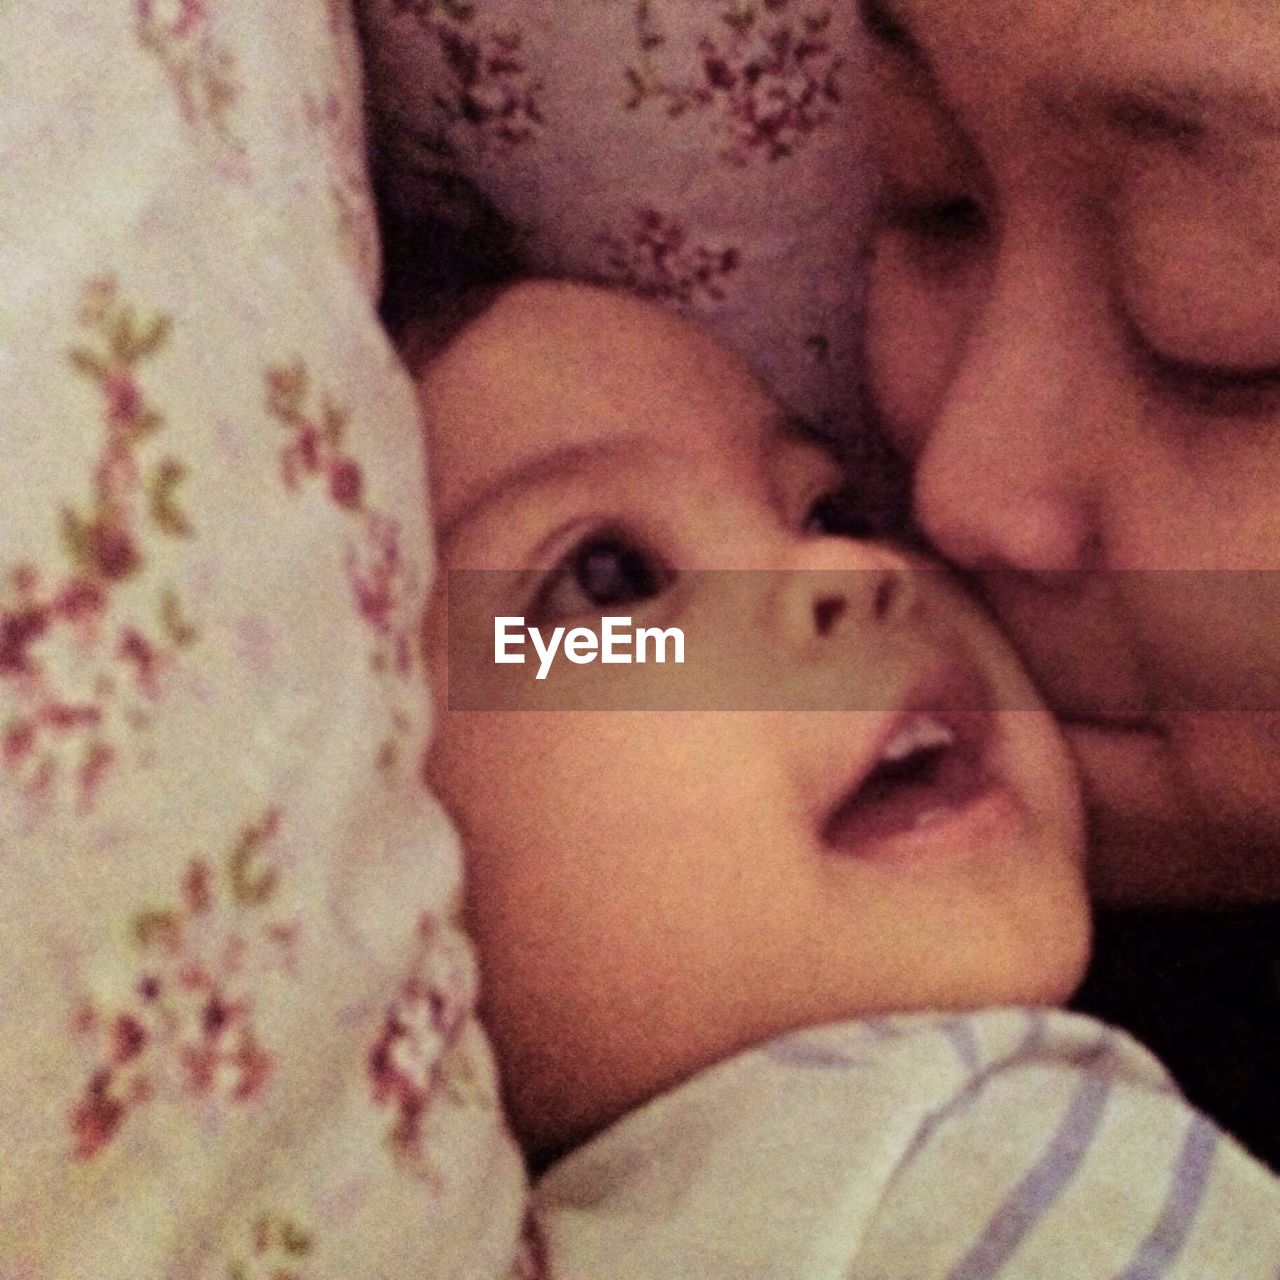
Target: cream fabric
[1012,1144]
[236,1031]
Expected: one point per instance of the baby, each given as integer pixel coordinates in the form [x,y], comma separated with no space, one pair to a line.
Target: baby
[726,954]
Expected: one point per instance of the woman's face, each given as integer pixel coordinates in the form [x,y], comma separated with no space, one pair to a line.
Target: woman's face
[1075,335]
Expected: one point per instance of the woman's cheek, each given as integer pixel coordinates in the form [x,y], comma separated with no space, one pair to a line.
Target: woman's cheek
[915,335]
[1213,674]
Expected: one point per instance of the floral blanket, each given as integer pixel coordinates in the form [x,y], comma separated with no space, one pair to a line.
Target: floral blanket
[711,155]
[236,1027]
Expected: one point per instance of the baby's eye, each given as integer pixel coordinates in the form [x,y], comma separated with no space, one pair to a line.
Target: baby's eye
[605,570]
[840,514]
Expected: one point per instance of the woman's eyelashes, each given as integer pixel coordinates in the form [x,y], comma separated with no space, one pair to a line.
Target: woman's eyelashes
[941,229]
[942,217]
[606,569]
[1208,389]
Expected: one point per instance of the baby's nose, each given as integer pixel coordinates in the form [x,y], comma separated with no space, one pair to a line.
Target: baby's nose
[837,586]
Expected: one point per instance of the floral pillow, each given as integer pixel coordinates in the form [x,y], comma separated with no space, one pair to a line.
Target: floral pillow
[236,1029]
[708,153]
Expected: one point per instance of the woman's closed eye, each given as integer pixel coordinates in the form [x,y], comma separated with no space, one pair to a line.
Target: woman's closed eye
[606,569]
[1216,390]
[939,217]
[942,229]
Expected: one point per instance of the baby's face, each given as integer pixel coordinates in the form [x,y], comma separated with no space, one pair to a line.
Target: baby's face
[651,891]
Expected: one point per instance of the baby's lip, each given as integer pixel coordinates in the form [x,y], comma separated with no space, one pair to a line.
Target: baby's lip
[931,760]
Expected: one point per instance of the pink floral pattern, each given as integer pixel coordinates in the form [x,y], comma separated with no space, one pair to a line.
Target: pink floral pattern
[711,155]
[205,644]
[277,1249]
[78,677]
[418,1053]
[491,90]
[377,574]
[771,72]
[187,1030]
[201,71]
[658,257]
[342,138]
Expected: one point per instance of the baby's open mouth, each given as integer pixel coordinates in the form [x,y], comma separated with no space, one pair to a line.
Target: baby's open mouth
[931,764]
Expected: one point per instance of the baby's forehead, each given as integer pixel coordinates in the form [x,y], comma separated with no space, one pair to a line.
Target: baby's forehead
[551,367]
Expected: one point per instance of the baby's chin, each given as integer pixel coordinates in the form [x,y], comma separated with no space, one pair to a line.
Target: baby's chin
[558,1098]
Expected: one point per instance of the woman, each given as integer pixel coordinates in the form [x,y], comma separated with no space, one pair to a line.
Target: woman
[1075,337]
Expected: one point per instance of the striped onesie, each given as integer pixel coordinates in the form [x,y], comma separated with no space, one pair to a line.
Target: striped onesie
[1009,1143]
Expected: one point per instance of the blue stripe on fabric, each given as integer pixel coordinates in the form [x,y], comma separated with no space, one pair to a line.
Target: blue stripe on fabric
[1029,1049]
[1036,1194]
[1162,1248]
[960,1033]
[882,1029]
[793,1051]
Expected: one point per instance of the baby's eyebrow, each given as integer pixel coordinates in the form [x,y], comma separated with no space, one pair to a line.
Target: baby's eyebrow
[567,461]
[535,473]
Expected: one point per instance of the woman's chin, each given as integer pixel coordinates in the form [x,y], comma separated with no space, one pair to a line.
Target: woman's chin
[1159,835]
[1134,862]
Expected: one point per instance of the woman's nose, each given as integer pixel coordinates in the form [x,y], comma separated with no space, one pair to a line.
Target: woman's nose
[1003,478]
[835,586]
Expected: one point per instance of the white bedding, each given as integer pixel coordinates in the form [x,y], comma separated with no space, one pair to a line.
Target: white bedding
[236,1030]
